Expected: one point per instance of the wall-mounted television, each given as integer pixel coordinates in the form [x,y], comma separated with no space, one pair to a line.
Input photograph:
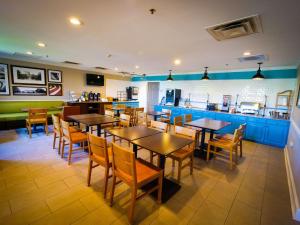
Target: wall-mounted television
[94,79]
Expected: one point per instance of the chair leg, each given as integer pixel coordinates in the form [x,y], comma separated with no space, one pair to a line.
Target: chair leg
[112,192]
[179,171]
[236,155]
[208,152]
[192,164]
[29,131]
[70,153]
[46,128]
[89,172]
[63,149]
[59,144]
[151,157]
[230,158]
[132,206]
[173,163]
[159,191]
[241,148]
[106,181]
[54,140]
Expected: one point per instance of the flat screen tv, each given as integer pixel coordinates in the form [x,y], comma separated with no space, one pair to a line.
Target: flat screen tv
[94,79]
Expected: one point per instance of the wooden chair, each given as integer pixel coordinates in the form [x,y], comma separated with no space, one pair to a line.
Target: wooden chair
[157,125]
[188,118]
[58,132]
[101,155]
[138,112]
[225,144]
[70,138]
[142,119]
[108,112]
[185,153]
[124,121]
[134,173]
[108,107]
[230,137]
[166,118]
[178,121]
[37,116]
[131,112]
[69,111]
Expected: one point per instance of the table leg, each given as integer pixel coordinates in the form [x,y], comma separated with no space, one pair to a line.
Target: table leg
[202,143]
[87,128]
[99,130]
[155,117]
[135,149]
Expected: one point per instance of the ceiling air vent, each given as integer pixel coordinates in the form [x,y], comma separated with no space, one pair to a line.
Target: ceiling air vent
[100,68]
[236,28]
[70,62]
[260,58]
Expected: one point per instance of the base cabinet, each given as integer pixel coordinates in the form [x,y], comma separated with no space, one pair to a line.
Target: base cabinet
[267,131]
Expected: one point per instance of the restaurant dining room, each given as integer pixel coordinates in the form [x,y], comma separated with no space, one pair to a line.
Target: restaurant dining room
[146,112]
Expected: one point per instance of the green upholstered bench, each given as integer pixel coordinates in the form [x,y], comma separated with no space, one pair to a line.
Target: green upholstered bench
[13,111]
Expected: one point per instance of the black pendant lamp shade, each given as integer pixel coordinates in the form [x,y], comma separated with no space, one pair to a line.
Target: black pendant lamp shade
[258,75]
[205,75]
[170,78]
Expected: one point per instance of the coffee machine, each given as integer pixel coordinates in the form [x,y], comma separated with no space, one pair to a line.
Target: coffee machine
[94,96]
[226,103]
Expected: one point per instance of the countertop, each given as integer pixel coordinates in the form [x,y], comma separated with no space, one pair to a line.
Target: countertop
[103,102]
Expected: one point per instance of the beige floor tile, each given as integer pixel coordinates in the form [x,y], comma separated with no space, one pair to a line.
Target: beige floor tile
[209,214]
[4,209]
[64,216]
[241,213]
[75,180]
[27,215]
[93,201]
[252,196]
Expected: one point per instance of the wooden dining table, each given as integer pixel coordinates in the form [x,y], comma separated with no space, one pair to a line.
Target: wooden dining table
[163,144]
[156,114]
[207,125]
[93,119]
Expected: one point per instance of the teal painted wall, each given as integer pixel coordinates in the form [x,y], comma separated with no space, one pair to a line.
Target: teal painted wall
[269,74]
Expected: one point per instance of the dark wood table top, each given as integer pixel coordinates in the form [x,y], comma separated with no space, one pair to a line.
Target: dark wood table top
[163,143]
[93,119]
[156,113]
[208,124]
[133,133]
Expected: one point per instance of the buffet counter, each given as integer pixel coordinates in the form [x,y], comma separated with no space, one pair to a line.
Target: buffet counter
[264,130]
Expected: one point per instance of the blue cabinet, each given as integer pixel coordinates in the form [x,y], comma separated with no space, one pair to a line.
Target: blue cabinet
[262,130]
[128,104]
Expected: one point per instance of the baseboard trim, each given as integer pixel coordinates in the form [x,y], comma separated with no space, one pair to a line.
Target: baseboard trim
[292,188]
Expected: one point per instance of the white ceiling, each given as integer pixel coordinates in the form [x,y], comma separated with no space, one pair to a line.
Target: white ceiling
[126,30]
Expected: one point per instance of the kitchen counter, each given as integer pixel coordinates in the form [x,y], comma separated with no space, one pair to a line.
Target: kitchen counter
[265,130]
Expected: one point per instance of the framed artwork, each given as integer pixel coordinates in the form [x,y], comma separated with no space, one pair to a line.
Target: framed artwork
[55,89]
[29,91]
[4,80]
[28,75]
[54,76]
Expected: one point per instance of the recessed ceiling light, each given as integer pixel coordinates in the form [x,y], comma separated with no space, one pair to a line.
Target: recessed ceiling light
[75,21]
[177,61]
[29,53]
[41,44]
[137,67]
[247,53]
[116,68]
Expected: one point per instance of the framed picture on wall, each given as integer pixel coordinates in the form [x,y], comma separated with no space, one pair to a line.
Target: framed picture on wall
[54,76]
[29,91]
[28,75]
[55,89]
[4,80]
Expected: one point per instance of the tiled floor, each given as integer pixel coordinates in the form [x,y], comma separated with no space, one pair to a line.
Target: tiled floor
[38,187]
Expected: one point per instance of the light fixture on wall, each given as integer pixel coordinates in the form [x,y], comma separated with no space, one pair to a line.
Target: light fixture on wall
[258,75]
[205,75]
[170,78]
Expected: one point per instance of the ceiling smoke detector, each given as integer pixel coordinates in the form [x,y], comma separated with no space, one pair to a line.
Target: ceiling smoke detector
[236,28]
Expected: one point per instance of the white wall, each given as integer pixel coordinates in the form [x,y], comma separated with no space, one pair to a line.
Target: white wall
[248,90]
[113,86]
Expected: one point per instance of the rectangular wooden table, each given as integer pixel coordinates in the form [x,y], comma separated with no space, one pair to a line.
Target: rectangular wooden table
[93,120]
[207,125]
[163,144]
[156,114]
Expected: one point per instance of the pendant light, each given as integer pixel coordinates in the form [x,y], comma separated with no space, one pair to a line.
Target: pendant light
[170,78]
[205,75]
[258,75]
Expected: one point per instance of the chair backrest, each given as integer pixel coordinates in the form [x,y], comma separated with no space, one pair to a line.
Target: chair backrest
[37,113]
[178,121]
[186,133]
[167,112]
[108,106]
[56,123]
[98,147]
[110,113]
[142,118]
[157,125]
[124,120]
[123,164]
[243,128]
[237,135]
[65,129]
[122,106]
[69,111]
[188,118]
[139,109]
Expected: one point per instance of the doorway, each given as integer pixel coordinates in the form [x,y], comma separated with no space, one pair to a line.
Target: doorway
[152,95]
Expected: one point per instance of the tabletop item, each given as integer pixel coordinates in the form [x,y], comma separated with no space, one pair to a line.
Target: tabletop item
[92,120]
[163,144]
[207,124]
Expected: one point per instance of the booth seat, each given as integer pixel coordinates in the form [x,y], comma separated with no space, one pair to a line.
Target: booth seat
[13,111]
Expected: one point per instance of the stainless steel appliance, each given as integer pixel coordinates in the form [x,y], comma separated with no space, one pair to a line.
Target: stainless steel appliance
[249,107]
[173,96]
[132,93]
[226,103]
